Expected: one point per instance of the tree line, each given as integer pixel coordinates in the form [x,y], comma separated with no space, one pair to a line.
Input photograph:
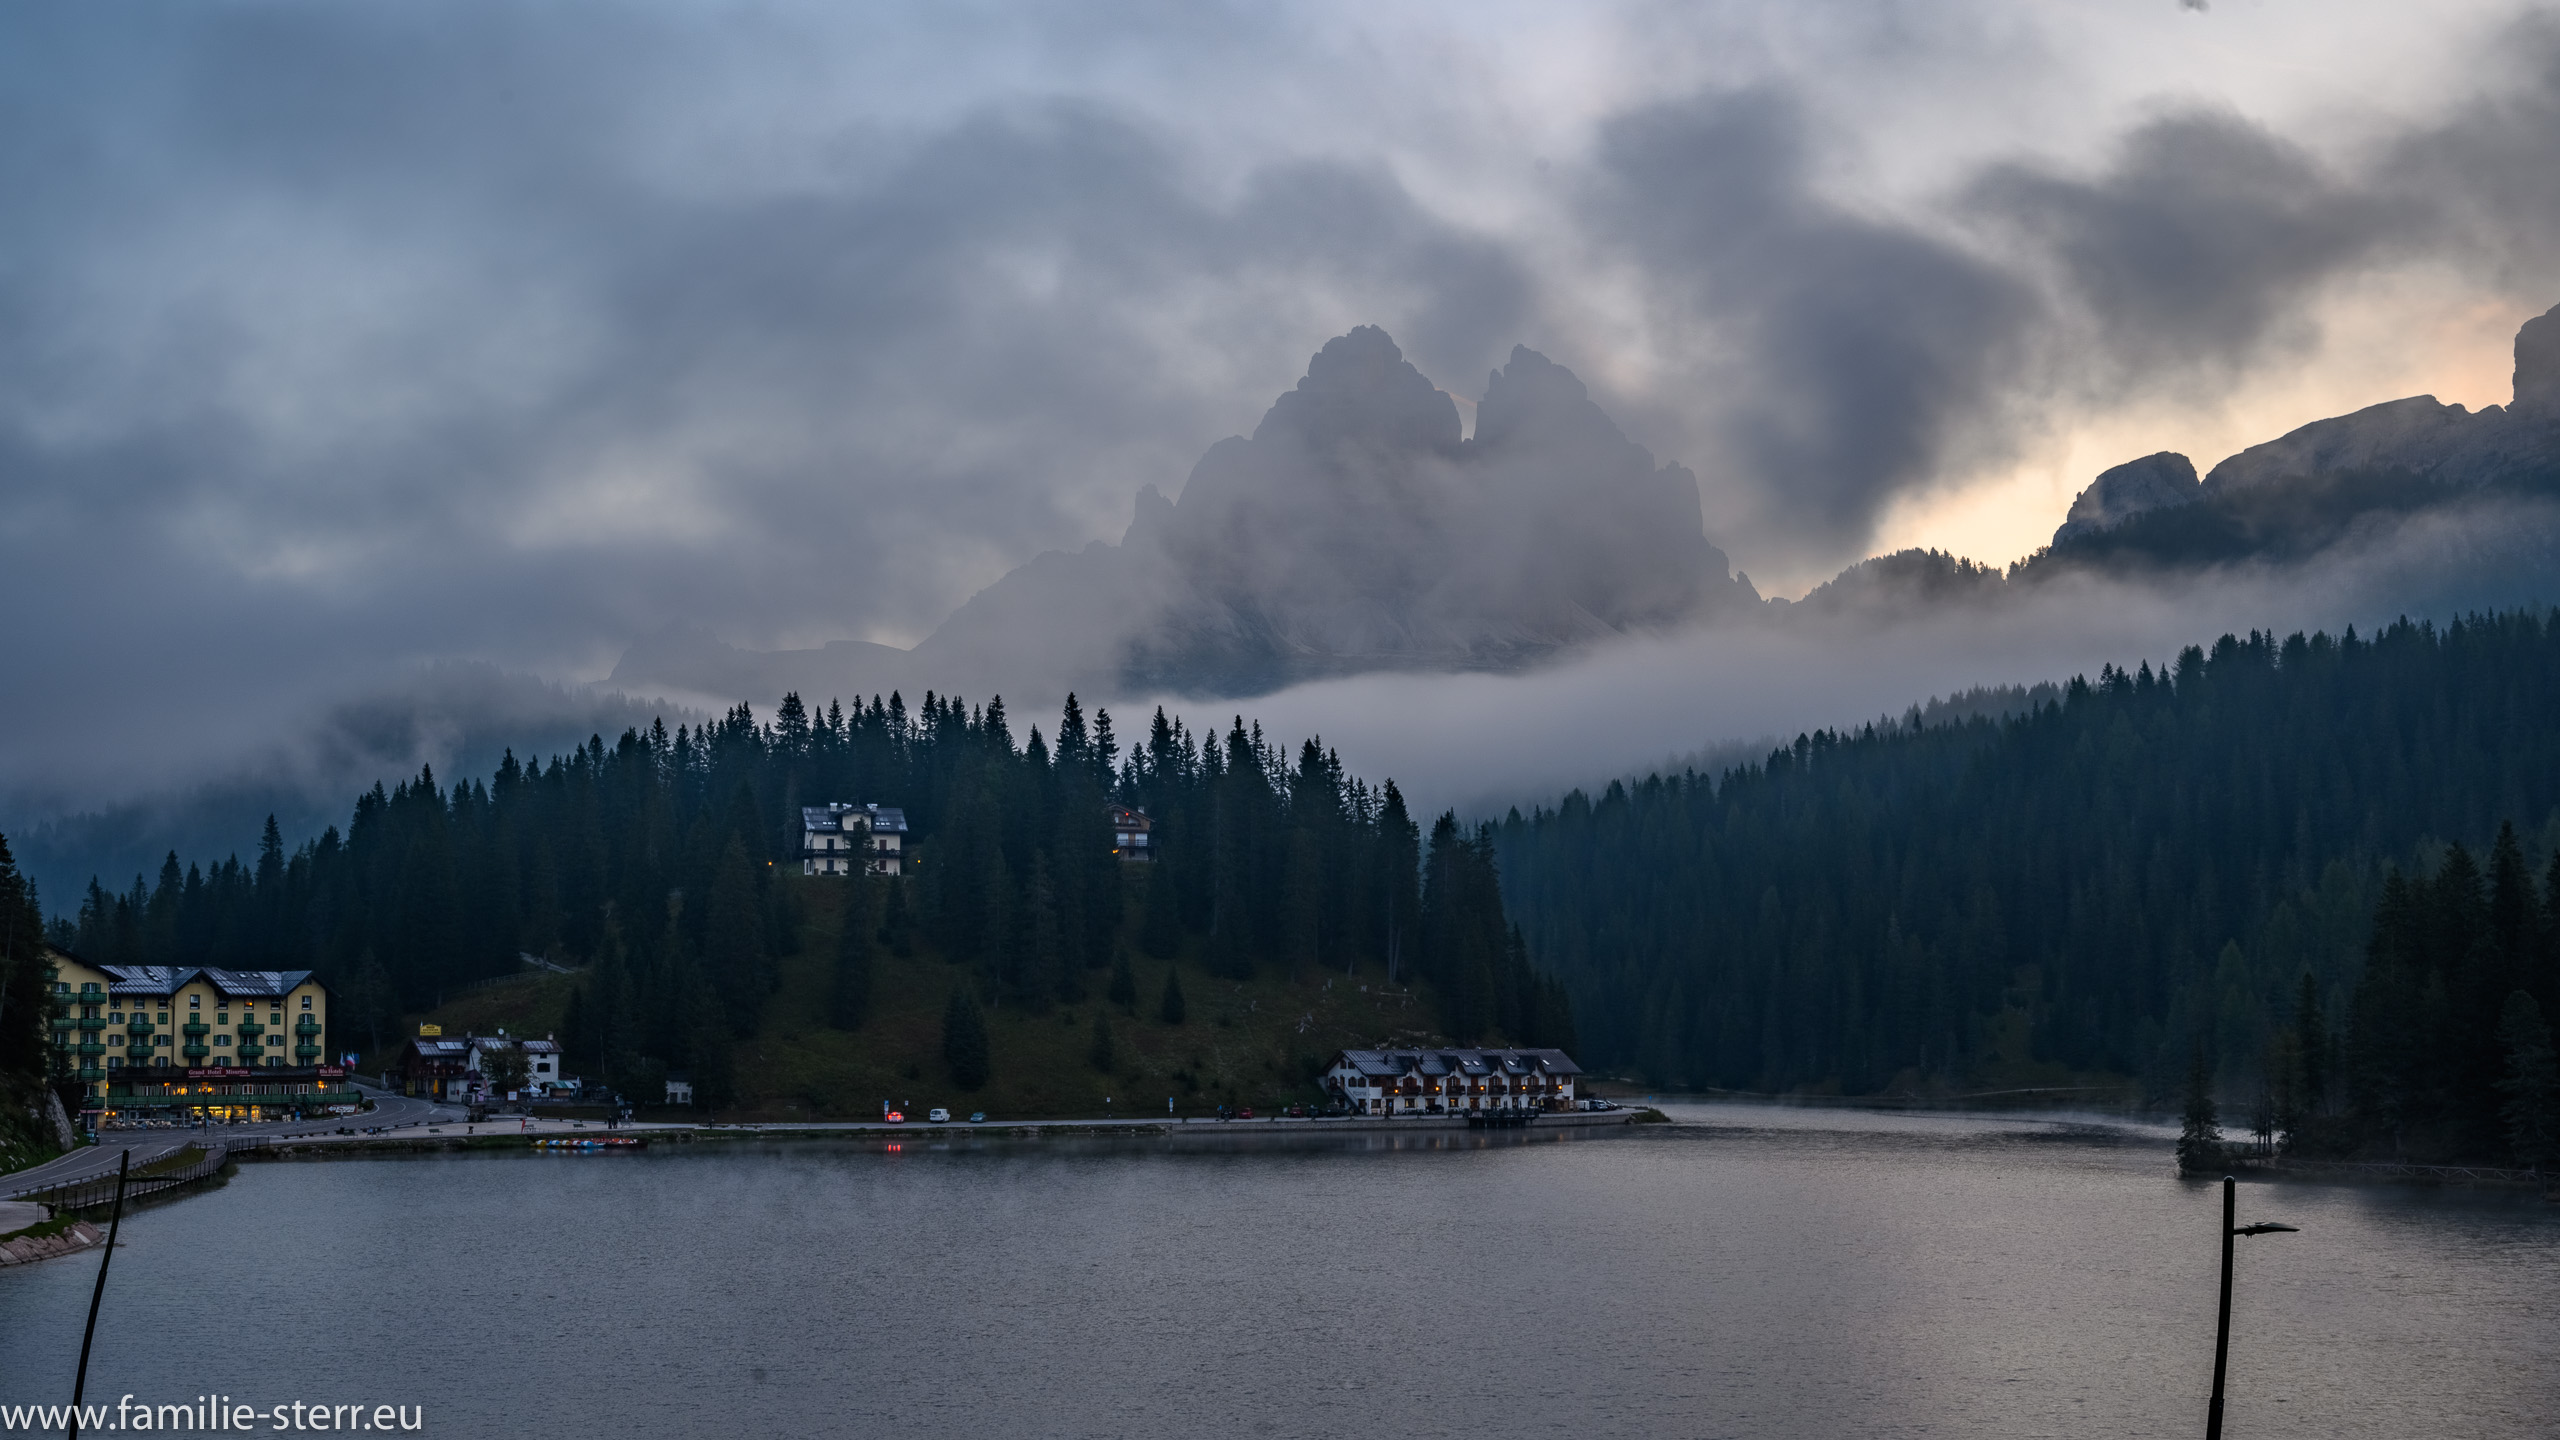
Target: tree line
[2143,871]
[657,863]
[24,1136]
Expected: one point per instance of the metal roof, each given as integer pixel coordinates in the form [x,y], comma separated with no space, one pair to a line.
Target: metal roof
[255,982]
[169,979]
[831,819]
[145,979]
[1518,1061]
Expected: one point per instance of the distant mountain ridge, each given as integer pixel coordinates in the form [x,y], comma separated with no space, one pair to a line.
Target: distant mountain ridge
[2407,507]
[2424,443]
[1359,529]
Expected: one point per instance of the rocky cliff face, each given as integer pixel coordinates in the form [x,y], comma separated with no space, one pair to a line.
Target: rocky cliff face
[1358,528]
[2150,483]
[2417,438]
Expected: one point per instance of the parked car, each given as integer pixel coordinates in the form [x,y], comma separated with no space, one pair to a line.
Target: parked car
[896,1117]
[938,1116]
[1245,1114]
[977,1117]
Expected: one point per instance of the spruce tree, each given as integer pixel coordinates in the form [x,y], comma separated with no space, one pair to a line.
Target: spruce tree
[1051,968]
[24,1007]
[733,939]
[2311,1042]
[1160,920]
[576,1026]
[897,922]
[2531,1083]
[849,1001]
[2199,1136]
[1103,1055]
[1170,1009]
[964,1040]
[1124,983]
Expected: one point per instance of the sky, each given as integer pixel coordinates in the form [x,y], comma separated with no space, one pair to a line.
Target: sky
[337,341]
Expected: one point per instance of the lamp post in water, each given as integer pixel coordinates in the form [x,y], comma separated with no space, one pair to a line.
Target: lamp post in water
[2222,1329]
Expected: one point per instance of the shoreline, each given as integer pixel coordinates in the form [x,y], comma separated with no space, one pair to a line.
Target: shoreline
[490,1137]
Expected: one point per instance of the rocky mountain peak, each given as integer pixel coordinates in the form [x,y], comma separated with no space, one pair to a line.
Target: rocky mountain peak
[1360,391]
[2150,483]
[1535,401]
[2538,362]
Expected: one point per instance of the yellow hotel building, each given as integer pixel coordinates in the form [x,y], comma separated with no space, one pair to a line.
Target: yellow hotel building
[192,1042]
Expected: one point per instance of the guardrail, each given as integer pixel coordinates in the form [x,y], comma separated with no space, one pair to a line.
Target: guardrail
[98,1191]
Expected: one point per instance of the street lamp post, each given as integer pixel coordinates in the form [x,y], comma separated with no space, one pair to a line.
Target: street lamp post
[2222,1328]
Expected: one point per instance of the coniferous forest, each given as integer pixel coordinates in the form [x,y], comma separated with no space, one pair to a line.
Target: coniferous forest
[2262,857]
[668,865]
[2324,871]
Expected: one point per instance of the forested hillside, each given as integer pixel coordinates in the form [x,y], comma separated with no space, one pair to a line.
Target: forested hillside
[668,866]
[25,1137]
[2146,867]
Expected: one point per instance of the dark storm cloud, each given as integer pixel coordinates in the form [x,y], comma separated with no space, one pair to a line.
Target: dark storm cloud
[342,338]
[1819,361]
[2196,247]
[338,338]
[2484,174]
[1849,351]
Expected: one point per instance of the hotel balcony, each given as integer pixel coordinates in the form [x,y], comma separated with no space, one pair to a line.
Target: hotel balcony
[251,1050]
[137,1027]
[93,1022]
[197,1028]
[248,1027]
[195,1050]
[306,1027]
[305,1054]
[92,1072]
[89,1047]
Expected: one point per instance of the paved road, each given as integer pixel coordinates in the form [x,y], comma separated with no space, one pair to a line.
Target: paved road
[93,1162]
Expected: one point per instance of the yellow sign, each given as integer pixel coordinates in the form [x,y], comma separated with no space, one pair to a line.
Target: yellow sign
[425,1030]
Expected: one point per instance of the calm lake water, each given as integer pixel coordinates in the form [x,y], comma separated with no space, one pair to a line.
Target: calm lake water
[1748,1272]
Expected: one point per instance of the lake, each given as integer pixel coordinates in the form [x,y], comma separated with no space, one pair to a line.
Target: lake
[1748,1271]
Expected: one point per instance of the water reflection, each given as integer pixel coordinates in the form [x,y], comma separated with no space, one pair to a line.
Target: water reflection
[1750,1270]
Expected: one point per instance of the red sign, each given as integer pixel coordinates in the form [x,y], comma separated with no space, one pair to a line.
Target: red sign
[334,1072]
[221,1072]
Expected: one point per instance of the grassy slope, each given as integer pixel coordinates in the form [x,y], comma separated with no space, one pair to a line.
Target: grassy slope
[1256,1042]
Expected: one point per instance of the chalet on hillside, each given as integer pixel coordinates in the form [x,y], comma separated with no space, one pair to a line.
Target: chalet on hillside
[1452,1082]
[1132,834]
[842,839]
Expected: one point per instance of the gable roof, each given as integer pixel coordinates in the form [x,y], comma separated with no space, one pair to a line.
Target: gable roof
[169,979]
[837,817]
[1396,1064]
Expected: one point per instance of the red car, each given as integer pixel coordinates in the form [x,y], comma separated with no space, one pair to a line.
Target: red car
[1245,1114]
[896,1117]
